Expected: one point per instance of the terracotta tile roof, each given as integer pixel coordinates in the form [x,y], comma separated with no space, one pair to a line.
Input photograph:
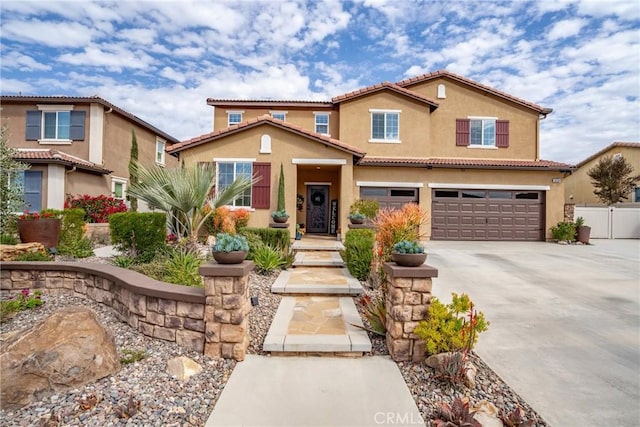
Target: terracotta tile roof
[448,74]
[265,120]
[267,103]
[89,99]
[463,163]
[384,86]
[607,148]
[54,156]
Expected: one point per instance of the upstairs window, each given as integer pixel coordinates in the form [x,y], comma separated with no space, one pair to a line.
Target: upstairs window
[228,172]
[385,126]
[119,188]
[322,123]
[160,146]
[482,132]
[53,124]
[280,115]
[234,117]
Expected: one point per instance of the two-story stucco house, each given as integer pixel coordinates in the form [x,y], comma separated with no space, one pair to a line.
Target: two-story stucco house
[467,153]
[77,145]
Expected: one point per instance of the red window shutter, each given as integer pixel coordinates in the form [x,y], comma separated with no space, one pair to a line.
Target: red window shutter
[502,133]
[462,132]
[261,190]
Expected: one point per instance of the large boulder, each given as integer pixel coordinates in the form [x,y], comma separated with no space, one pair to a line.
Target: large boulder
[68,349]
[10,252]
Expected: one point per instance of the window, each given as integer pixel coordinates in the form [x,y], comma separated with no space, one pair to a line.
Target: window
[385,126]
[322,123]
[228,172]
[234,117]
[482,132]
[636,194]
[55,124]
[30,182]
[280,115]
[119,188]
[160,146]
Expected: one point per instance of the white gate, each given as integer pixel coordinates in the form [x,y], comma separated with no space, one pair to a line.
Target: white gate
[611,222]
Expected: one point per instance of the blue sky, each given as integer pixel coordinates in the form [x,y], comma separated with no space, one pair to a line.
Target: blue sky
[161,60]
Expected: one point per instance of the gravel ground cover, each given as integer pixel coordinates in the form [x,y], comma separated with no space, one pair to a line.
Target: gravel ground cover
[165,401]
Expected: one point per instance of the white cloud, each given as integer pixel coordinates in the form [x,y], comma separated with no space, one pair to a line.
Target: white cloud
[171,74]
[16,60]
[14,87]
[54,34]
[112,57]
[566,28]
[138,35]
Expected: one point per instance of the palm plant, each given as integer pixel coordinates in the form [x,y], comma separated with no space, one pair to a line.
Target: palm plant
[183,193]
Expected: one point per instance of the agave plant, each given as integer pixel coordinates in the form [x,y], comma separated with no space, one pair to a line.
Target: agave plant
[456,415]
[515,418]
[183,193]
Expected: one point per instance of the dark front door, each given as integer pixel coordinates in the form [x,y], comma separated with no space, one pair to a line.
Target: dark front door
[317,209]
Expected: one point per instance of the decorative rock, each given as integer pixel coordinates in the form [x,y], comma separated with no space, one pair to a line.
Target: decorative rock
[183,368]
[486,414]
[10,252]
[68,349]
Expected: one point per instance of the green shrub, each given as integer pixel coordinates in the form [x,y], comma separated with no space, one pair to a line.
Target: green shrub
[123,261]
[24,300]
[274,237]
[72,241]
[447,328]
[267,259]
[564,231]
[8,239]
[287,259]
[368,208]
[154,268]
[131,356]
[181,267]
[254,241]
[358,252]
[33,256]
[139,234]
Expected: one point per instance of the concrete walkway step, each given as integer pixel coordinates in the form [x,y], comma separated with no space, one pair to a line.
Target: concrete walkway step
[316,244]
[316,281]
[318,325]
[315,391]
[319,259]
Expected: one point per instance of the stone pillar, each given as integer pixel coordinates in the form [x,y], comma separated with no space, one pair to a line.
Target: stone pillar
[227,309]
[569,211]
[407,303]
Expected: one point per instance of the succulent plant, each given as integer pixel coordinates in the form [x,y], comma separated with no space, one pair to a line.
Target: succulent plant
[515,418]
[456,415]
[280,214]
[408,247]
[357,216]
[230,242]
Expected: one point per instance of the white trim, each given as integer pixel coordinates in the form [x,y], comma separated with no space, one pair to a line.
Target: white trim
[318,183]
[389,184]
[272,112]
[318,161]
[378,110]
[489,186]
[119,180]
[385,141]
[322,112]
[233,159]
[164,153]
[96,133]
[235,111]
[55,142]
[265,144]
[482,147]
[55,186]
[481,118]
[54,107]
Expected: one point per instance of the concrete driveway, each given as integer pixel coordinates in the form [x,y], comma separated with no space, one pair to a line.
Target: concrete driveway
[565,322]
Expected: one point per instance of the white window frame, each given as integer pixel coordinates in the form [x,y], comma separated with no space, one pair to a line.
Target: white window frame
[51,108]
[235,161]
[232,112]
[119,180]
[316,124]
[281,113]
[160,152]
[384,140]
[482,119]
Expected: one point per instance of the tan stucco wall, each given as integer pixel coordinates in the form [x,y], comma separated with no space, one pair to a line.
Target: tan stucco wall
[285,147]
[303,117]
[554,197]
[462,101]
[355,125]
[579,184]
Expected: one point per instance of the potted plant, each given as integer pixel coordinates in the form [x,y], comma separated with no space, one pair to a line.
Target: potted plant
[583,232]
[280,216]
[41,227]
[299,231]
[230,248]
[357,218]
[408,253]
[368,208]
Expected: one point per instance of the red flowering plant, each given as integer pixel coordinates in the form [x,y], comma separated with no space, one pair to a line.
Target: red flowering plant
[97,208]
[36,215]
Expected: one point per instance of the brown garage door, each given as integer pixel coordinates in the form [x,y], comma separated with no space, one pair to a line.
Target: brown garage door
[487,215]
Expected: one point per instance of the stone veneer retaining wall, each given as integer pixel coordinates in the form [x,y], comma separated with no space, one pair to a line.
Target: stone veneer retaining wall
[156,309]
[407,303]
[569,212]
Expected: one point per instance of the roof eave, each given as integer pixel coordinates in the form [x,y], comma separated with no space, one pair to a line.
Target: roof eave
[98,171]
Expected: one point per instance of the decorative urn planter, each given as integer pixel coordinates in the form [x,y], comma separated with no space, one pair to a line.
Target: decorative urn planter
[43,230]
[584,232]
[356,220]
[280,219]
[408,260]
[233,257]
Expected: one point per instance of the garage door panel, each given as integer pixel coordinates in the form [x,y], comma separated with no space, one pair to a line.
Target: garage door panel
[489,218]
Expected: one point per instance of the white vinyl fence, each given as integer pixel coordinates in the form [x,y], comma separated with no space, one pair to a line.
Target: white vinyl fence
[611,222]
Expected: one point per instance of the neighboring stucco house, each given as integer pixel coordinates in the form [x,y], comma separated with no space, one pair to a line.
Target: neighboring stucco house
[467,153]
[578,187]
[77,145]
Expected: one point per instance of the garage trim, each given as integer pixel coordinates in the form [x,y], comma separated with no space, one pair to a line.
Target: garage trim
[389,184]
[490,186]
